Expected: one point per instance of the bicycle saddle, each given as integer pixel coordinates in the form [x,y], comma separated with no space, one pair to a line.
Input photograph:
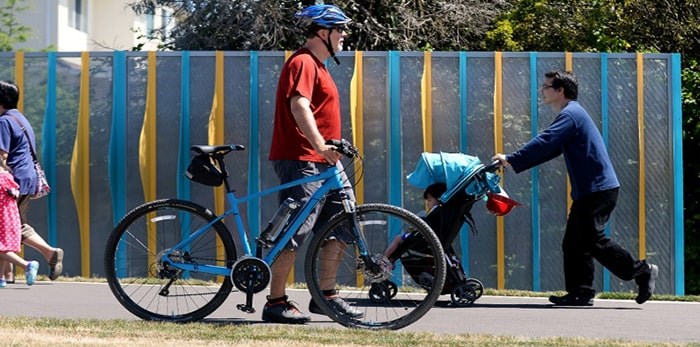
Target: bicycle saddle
[221,149]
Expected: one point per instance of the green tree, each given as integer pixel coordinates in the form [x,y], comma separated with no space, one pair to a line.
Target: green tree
[11,31]
[377,25]
[691,172]
[545,25]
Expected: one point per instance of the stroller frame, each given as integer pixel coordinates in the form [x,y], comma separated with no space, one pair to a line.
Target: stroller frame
[447,220]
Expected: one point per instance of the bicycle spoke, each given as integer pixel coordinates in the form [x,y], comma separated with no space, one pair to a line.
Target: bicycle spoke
[390,290]
[157,290]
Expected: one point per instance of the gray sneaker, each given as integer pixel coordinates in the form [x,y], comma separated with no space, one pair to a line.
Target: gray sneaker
[284,311]
[340,305]
[56,264]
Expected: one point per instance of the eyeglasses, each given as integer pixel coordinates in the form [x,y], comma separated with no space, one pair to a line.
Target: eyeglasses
[545,86]
[341,29]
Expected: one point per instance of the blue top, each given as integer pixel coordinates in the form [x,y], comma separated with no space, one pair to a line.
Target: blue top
[572,133]
[16,145]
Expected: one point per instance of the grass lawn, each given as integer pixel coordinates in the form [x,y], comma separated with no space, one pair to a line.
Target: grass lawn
[64,332]
[25,331]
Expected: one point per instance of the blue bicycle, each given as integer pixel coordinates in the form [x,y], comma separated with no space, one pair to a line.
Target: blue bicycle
[175,260]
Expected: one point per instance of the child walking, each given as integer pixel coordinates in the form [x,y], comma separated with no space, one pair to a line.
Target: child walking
[10,228]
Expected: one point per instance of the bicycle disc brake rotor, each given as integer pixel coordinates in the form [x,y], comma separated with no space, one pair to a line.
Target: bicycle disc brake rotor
[381,272]
[250,273]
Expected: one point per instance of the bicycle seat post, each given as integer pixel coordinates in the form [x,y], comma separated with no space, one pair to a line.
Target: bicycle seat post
[219,158]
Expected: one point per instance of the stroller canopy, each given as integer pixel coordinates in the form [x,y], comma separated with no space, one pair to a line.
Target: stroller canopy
[457,171]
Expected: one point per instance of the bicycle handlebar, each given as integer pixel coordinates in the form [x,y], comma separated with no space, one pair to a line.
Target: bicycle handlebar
[344,147]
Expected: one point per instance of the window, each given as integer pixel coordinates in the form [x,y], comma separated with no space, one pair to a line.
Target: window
[167,23]
[150,26]
[78,14]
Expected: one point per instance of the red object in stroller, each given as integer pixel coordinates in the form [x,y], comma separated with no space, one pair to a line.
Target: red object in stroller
[473,183]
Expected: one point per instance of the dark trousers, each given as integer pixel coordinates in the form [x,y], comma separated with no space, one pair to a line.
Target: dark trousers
[585,240]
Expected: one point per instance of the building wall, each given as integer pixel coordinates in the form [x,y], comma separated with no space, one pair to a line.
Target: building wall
[69,38]
[42,21]
[108,25]
[111,26]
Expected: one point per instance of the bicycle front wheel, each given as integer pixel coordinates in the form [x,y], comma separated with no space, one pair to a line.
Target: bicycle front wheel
[155,290]
[384,288]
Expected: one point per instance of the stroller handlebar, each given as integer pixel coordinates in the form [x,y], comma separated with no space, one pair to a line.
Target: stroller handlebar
[492,167]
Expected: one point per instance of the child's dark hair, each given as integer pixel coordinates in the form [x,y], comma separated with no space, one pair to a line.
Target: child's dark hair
[435,190]
[9,95]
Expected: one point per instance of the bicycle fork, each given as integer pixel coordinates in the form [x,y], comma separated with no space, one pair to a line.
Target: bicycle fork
[370,265]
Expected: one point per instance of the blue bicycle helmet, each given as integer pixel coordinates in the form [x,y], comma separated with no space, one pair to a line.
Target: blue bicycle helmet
[317,17]
[325,16]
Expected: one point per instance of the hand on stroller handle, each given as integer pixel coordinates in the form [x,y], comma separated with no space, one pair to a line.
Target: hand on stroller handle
[501,159]
[495,165]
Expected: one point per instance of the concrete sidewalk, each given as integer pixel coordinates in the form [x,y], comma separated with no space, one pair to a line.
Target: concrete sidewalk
[655,321]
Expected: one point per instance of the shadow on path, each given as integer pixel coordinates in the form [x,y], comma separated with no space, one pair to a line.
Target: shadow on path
[448,304]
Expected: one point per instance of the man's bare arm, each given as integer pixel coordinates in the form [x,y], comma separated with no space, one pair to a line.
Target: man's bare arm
[304,117]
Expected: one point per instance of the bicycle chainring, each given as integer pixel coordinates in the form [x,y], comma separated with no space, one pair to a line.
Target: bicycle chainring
[250,272]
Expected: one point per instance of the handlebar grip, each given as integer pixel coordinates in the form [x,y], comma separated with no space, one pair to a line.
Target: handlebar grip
[336,143]
[344,147]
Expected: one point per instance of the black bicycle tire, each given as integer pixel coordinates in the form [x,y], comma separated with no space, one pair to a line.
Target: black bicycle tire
[433,241]
[138,212]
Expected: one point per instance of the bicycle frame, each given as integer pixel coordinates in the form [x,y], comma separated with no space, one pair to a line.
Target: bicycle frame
[331,181]
[174,260]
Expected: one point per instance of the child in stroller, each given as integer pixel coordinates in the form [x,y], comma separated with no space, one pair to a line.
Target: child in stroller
[447,212]
[431,196]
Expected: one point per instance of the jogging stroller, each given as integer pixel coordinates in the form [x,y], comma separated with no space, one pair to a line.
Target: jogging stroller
[467,181]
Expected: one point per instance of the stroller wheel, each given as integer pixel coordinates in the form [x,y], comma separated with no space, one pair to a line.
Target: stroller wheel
[463,295]
[477,285]
[382,291]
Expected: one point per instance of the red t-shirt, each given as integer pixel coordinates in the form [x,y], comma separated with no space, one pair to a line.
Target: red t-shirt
[306,76]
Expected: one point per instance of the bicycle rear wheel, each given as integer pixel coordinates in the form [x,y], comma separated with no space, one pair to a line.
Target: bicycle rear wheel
[154,290]
[392,290]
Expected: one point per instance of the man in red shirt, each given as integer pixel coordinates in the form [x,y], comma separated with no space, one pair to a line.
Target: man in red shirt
[307,113]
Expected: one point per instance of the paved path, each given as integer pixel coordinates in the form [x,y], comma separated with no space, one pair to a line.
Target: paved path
[654,321]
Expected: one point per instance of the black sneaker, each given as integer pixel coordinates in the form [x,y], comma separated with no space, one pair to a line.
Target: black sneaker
[647,284]
[571,300]
[285,312]
[339,304]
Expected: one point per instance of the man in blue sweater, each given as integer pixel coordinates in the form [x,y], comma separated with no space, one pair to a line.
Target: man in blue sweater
[594,190]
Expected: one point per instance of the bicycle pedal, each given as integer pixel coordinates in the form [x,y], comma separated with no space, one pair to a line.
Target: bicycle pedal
[246,308]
